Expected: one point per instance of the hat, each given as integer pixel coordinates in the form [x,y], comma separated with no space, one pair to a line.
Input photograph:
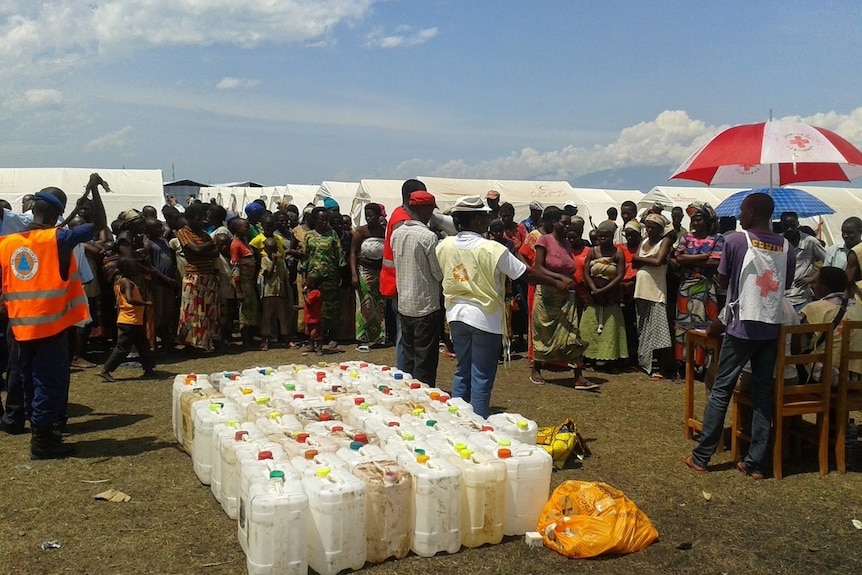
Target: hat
[632,225]
[329,203]
[570,204]
[534,205]
[130,216]
[659,206]
[421,198]
[253,209]
[493,194]
[50,198]
[470,204]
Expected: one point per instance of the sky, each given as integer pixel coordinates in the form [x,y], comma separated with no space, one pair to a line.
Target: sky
[301,91]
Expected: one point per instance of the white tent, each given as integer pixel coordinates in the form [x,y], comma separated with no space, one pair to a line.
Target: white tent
[302,194]
[594,203]
[129,188]
[236,198]
[386,192]
[342,192]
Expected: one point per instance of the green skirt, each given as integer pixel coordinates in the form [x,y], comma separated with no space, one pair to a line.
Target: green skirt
[610,344]
[555,327]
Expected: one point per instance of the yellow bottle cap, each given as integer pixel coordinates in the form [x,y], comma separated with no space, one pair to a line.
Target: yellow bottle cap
[465,453]
[522,424]
[504,443]
[422,458]
[322,472]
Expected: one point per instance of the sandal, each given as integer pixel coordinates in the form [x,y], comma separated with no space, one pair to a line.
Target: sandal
[538,380]
[584,385]
[106,376]
[656,376]
[689,461]
[363,349]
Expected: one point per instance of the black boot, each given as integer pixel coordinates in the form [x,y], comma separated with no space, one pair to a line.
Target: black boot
[45,444]
[16,428]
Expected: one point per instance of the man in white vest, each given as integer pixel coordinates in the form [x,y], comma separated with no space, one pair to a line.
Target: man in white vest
[473,288]
[756,266]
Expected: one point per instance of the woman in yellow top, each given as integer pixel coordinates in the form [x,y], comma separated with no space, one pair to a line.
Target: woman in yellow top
[130,323]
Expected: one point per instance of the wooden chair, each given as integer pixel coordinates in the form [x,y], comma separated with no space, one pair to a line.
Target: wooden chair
[847,396]
[793,400]
[693,338]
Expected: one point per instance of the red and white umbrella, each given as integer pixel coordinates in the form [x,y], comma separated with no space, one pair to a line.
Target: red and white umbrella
[773,153]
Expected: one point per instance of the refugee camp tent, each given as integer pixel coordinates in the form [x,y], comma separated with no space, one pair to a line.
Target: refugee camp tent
[302,194]
[342,192]
[129,188]
[386,192]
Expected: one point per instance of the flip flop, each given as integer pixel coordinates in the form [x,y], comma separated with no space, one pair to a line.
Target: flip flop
[656,376]
[537,381]
[586,386]
[363,349]
[106,377]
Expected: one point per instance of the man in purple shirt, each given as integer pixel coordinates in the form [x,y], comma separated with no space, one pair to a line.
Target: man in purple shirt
[753,322]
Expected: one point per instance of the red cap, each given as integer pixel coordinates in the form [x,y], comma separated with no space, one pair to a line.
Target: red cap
[422,198]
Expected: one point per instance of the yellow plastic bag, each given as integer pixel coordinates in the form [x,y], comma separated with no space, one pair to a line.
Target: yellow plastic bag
[585,519]
[561,441]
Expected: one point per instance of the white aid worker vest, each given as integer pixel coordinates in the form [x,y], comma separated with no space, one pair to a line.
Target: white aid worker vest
[761,282]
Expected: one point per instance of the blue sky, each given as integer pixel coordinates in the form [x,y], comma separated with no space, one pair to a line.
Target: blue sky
[300,91]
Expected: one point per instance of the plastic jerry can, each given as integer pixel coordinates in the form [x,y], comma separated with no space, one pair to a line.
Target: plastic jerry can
[336,520]
[483,495]
[515,426]
[205,415]
[297,444]
[183,394]
[389,492]
[246,453]
[221,432]
[436,506]
[528,480]
[276,425]
[315,409]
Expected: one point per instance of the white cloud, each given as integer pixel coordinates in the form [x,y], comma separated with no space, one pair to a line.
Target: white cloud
[228,83]
[51,35]
[43,98]
[668,140]
[402,36]
[112,142]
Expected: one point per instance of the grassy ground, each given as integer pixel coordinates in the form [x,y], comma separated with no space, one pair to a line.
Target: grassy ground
[801,524]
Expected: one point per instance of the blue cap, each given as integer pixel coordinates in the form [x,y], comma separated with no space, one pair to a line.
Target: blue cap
[253,208]
[51,199]
[329,203]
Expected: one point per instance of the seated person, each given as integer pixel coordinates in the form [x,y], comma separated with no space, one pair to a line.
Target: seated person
[829,287]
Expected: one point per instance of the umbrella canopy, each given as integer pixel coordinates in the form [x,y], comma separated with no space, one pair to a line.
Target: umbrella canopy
[786,200]
[773,153]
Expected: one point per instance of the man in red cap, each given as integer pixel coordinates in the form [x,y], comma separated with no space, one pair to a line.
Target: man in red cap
[388,287]
[418,278]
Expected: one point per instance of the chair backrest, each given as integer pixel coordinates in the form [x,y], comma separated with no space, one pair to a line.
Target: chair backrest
[848,354]
[787,394]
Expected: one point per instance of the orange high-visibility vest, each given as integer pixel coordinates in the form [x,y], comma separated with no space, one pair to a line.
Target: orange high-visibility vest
[39,302]
[387,272]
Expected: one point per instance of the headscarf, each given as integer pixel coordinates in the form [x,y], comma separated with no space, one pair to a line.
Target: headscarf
[607,226]
[706,211]
[656,219]
[330,203]
[632,225]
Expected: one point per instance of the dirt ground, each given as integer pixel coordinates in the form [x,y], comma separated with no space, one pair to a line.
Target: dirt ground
[172,524]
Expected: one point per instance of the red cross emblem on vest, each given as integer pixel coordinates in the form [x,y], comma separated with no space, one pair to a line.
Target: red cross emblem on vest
[767,283]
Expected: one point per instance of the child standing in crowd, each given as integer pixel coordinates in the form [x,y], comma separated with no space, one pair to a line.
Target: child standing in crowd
[242,258]
[314,312]
[130,322]
[274,292]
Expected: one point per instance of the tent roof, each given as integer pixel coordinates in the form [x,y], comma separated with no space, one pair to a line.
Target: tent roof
[129,188]
[189,183]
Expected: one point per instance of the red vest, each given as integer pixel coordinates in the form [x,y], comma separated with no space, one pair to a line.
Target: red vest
[387,272]
[39,302]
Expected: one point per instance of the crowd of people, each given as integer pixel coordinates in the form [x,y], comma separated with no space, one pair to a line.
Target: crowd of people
[473,284]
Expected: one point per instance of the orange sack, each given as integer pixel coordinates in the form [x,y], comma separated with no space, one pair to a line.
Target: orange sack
[587,519]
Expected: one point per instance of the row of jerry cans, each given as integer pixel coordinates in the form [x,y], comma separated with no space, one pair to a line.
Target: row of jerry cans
[474,488]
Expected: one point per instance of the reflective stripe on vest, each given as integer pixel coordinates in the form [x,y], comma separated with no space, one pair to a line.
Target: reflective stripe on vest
[21,295]
[46,319]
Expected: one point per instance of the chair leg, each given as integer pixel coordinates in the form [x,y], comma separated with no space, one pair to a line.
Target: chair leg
[778,447]
[823,420]
[840,434]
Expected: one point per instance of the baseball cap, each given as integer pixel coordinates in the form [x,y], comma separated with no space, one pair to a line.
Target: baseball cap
[422,198]
[534,205]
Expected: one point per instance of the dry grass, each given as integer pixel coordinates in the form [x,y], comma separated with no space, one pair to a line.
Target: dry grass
[801,524]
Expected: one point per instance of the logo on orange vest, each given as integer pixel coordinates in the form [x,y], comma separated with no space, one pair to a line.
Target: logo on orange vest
[459,272]
[24,263]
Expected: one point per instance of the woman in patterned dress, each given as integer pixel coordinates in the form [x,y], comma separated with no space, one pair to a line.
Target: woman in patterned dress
[323,254]
[199,311]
